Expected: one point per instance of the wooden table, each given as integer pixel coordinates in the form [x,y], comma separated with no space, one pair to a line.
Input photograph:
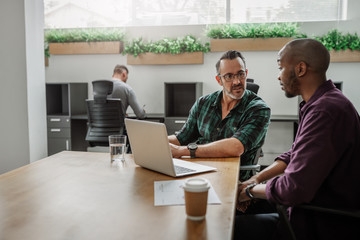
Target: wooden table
[81,195]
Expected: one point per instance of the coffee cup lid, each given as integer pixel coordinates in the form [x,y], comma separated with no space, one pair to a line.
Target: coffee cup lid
[196,184]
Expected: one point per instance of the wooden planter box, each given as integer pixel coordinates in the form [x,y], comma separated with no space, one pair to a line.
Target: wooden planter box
[248,44]
[86,48]
[344,56]
[166,58]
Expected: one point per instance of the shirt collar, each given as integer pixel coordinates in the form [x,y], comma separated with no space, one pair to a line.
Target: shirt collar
[322,89]
[239,105]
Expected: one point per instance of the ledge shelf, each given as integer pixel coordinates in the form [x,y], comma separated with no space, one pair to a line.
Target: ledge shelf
[345,56]
[166,58]
[113,47]
[248,44]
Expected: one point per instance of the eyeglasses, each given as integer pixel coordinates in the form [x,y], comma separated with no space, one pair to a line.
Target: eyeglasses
[230,77]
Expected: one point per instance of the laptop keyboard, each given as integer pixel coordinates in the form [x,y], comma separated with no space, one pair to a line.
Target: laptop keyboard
[180,170]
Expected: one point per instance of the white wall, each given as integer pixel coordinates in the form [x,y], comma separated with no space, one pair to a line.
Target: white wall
[34,20]
[16,105]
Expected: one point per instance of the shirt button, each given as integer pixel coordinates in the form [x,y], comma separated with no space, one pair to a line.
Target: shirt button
[218,129]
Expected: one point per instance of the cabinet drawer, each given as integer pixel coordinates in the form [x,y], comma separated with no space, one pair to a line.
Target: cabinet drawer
[58,121]
[59,132]
[174,124]
[56,145]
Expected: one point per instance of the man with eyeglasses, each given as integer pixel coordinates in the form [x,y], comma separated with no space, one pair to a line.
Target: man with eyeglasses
[231,122]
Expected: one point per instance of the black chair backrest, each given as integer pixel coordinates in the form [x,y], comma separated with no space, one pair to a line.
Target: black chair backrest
[343,217]
[105,116]
[104,119]
[101,89]
[252,87]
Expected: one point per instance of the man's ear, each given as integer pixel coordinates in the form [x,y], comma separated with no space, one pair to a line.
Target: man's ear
[218,79]
[301,69]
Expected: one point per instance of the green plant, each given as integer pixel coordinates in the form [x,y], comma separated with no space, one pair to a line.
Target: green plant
[339,41]
[84,35]
[46,49]
[252,30]
[166,45]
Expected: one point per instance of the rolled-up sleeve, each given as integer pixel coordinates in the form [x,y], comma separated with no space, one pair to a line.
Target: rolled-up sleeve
[189,132]
[309,162]
[253,130]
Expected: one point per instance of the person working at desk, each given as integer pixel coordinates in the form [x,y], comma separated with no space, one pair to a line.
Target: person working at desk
[322,167]
[125,92]
[227,123]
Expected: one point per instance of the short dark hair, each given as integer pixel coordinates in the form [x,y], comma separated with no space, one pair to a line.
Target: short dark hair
[120,68]
[231,54]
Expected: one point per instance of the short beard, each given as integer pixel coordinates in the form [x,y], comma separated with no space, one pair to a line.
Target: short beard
[294,86]
[232,96]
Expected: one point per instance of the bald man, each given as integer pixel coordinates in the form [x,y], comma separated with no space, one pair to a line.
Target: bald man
[322,167]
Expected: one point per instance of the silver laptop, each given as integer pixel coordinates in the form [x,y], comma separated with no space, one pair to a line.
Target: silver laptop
[151,150]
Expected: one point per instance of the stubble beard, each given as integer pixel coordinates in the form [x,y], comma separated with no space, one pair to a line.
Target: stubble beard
[294,86]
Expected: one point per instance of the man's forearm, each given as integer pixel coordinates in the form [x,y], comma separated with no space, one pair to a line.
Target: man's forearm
[276,168]
[173,140]
[229,147]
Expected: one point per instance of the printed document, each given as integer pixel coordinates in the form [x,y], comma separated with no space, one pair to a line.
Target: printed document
[172,193]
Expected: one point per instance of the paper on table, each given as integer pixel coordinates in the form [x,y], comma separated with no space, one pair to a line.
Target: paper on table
[172,193]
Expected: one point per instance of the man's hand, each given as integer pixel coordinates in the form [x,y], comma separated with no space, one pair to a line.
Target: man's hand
[242,200]
[178,151]
[251,180]
[241,191]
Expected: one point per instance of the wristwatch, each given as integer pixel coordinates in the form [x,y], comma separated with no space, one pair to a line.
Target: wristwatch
[247,190]
[192,148]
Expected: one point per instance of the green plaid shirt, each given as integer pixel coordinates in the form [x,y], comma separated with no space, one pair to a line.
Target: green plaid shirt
[247,121]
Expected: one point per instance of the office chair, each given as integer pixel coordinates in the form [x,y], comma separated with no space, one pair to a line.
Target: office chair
[105,115]
[251,85]
[341,214]
[255,167]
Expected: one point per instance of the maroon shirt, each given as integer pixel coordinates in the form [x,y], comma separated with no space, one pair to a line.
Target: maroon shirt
[323,165]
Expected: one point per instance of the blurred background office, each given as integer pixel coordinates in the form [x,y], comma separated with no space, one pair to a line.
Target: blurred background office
[23,74]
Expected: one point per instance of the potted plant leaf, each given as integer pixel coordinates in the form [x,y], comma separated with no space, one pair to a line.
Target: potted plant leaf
[46,53]
[186,50]
[342,47]
[85,41]
[251,37]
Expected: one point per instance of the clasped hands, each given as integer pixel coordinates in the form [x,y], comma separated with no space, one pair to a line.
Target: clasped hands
[243,201]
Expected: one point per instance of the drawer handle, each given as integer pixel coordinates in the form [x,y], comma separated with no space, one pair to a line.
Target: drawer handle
[55,130]
[180,121]
[55,119]
[67,145]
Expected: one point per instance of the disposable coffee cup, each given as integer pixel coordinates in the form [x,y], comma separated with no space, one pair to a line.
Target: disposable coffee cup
[196,195]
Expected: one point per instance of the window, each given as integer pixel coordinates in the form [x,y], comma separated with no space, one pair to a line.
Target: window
[120,13]
[254,11]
